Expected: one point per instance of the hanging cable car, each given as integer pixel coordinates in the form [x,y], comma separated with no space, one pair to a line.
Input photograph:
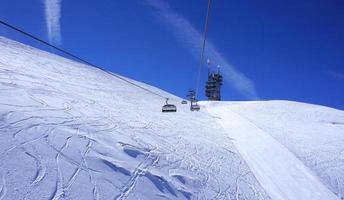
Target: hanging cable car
[169,107]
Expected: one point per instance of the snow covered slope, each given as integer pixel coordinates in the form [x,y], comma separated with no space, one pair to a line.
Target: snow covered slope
[314,134]
[70,131]
[283,174]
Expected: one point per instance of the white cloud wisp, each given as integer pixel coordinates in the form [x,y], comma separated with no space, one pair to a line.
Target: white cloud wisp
[52,17]
[191,38]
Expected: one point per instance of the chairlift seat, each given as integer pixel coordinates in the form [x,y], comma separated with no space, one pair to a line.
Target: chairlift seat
[169,108]
[184,102]
[195,107]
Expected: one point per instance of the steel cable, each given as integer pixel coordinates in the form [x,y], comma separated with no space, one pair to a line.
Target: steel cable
[77,57]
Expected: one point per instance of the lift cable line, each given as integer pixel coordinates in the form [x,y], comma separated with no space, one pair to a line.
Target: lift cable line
[78,58]
[205,34]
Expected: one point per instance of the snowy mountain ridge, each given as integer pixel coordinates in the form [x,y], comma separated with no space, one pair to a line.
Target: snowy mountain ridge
[70,131]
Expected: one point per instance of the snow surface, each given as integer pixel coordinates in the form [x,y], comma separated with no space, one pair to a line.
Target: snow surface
[70,131]
[280,172]
[314,134]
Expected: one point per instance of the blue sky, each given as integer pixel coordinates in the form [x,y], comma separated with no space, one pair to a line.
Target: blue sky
[271,49]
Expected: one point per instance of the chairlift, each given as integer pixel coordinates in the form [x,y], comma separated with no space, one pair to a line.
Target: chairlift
[195,107]
[169,107]
[184,101]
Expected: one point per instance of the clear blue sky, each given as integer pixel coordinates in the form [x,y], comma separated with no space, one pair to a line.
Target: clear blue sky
[286,49]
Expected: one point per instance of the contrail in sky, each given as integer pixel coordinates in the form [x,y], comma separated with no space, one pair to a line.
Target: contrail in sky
[191,38]
[52,18]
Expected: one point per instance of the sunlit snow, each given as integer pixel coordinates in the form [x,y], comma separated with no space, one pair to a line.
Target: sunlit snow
[70,131]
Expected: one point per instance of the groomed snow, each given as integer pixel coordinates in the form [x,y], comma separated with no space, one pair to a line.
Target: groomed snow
[313,133]
[279,171]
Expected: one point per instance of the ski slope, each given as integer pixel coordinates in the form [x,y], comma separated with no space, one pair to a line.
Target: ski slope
[314,134]
[280,172]
[71,131]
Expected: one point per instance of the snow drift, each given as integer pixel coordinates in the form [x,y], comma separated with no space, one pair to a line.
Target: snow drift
[70,131]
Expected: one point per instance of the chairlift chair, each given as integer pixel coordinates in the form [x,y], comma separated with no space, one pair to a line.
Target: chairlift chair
[169,107]
[184,101]
[195,107]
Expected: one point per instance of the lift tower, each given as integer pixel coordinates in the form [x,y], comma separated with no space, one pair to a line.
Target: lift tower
[213,85]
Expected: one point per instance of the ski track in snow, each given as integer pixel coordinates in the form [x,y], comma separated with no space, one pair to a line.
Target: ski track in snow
[59,190]
[3,188]
[88,135]
[80,167]
[41,172]
[140,170]
[92,179]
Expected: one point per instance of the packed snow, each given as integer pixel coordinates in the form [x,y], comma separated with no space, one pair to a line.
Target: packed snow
[314,134]
[266,156]
[71,131]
